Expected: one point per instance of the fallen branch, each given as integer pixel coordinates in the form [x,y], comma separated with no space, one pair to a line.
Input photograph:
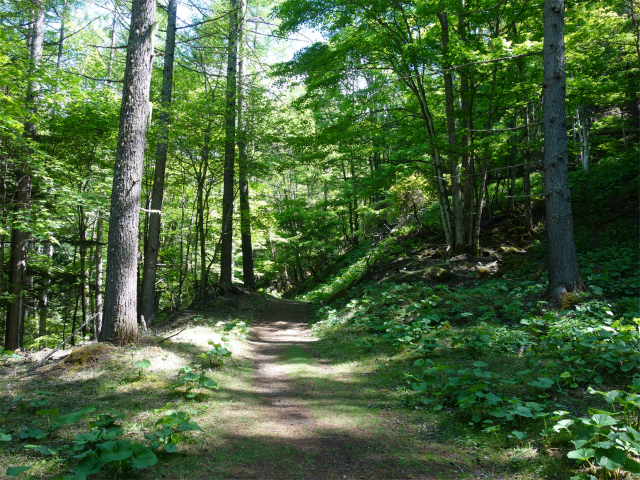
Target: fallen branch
[454,463]
[170,336]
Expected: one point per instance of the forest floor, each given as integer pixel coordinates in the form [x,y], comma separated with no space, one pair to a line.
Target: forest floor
[289,405]
[321,419]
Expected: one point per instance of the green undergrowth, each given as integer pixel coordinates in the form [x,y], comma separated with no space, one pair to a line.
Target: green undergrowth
[356,263]
[493,358]
[136,411]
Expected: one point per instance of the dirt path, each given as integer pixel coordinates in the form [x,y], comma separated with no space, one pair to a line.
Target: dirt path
[315,415]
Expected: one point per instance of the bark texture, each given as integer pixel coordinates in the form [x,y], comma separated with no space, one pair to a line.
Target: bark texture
[152,242]
[243,160]
[19,235]
[226,247]
[564,275]
[120,324]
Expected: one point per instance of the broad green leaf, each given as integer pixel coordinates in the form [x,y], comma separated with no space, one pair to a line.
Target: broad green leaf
[115,451]
[75,416]
[519,435]
[542,382]
[605,444]
[603,420]
[610,458]
[170,447]
[30,433]
[582,454]
[42,449]
[142,364]
[142,457]
[84,454]
[631,466]
[189,426]
[419,387]
[5,437]
[206,382]
[88,466]
[88,437]
[48,411]
[15,471]
[522,411]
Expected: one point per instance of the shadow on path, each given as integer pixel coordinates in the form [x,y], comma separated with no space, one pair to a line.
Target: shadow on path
[293,420]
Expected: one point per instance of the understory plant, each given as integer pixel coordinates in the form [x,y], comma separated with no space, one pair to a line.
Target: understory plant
[103,447]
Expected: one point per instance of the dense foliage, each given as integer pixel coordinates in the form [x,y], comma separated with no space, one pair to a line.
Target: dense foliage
[404,129]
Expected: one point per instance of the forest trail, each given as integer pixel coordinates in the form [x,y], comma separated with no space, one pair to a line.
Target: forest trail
[317,418]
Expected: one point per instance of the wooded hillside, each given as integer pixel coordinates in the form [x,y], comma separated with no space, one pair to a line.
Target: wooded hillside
[162,156]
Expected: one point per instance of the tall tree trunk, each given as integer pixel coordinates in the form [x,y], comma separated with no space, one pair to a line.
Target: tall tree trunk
[583,136]
[226,249]
[44,294]
[483,194]
[61,35]
[120,303]
[3,236]
[204,171]
[99,269]
[112,50]
[466,120]
[84,274]
[248,278]
[152,242]
[526,176]
[511,171]
[19,235]
[456,197]
[564,274]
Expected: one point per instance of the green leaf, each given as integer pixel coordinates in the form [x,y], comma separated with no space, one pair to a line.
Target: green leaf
[88,437]
[170,447]
[11,354]
[142,457]
[48,411]
[610,458]
[522,411]
[582,454]
[30,433]
[206,382]
[631,466]
[142,364]
[42,449]
[15,471]
[605,444]
[189,426]
[519,435]
[5,437]
[88,466]
[603,420]
[542,382]
[115,451]
[75,416]
[84,454]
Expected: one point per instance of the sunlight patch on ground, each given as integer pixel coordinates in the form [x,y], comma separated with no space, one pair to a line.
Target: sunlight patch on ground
[200,336]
